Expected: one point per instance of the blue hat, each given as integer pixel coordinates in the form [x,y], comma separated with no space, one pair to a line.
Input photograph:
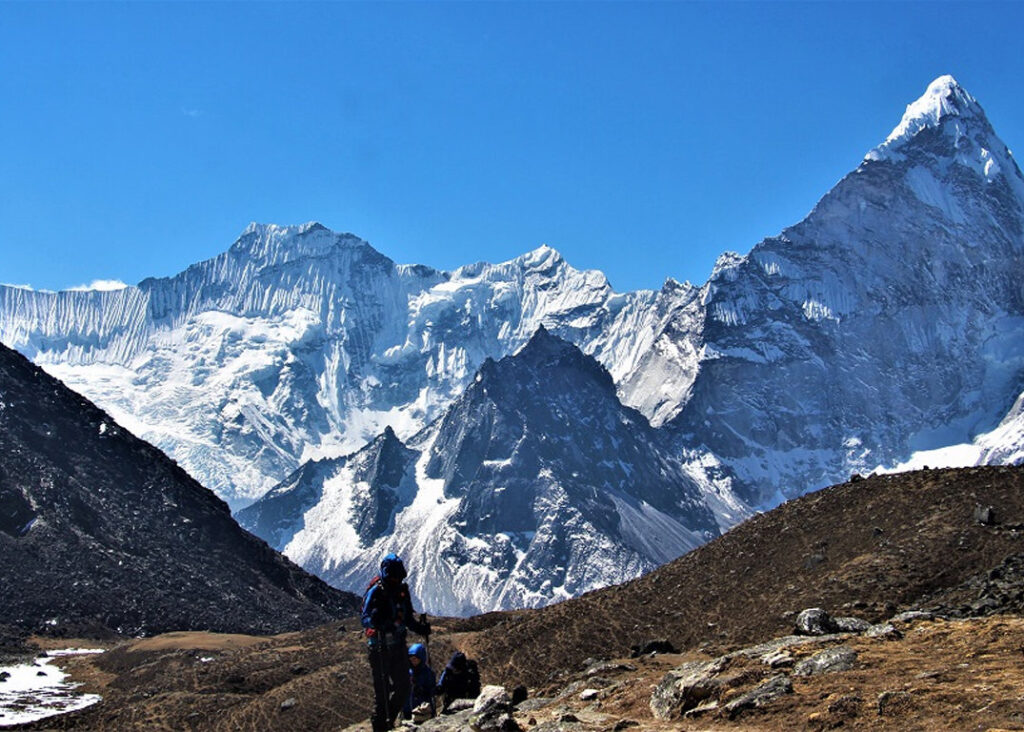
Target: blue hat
[418,650]
[391,567]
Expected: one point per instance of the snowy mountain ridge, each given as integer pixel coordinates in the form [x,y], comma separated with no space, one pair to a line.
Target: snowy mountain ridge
[299,343]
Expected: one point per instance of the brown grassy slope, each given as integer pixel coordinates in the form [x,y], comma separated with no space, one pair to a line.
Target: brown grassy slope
[865,548]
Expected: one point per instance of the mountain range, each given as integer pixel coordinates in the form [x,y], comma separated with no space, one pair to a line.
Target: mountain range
[886,326]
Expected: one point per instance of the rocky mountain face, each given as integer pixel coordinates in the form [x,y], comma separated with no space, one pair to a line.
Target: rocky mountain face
[535,485]
[101,530]
[888,322]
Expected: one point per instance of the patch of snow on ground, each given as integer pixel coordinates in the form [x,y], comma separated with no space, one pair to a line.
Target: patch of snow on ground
[37,690]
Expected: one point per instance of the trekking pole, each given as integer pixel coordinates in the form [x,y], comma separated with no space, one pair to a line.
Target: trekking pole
[426,638]
[382,650]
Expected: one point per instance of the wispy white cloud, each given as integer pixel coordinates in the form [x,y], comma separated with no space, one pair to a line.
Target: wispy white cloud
[19,286]
[193,113]
[101,285]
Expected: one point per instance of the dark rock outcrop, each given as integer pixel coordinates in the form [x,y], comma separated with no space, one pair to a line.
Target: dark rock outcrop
[100,530]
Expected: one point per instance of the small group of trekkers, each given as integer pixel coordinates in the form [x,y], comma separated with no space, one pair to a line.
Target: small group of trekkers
[403,681]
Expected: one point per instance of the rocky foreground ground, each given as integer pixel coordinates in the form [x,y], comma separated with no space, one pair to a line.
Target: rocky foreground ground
[917,672]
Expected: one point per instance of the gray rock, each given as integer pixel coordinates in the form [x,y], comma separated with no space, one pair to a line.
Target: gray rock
[883,631]
[850,625]
[589,694]
[912,616]
[777,658]
[288,703]
[984,514]
[762,694]
[841,658]
[492,711]
[685,687]
[814,621]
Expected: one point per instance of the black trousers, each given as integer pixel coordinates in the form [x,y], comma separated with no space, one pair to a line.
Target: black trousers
[391,686]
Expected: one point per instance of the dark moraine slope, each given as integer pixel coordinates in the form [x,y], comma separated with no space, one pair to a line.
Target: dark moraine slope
[867,548]
[100,530]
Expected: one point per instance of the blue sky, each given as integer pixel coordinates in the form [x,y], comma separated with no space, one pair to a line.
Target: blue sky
[639,139]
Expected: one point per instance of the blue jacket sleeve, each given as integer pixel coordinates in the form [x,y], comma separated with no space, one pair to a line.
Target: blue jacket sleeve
[370,611]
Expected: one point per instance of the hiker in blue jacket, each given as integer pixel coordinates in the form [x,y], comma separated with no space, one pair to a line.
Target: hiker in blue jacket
[387,616]
[459,680]
[424,683]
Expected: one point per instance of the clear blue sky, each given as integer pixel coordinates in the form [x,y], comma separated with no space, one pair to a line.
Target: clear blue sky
[640,139]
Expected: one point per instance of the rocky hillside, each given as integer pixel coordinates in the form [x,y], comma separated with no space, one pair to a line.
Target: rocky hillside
[99,530]
[735,650]
[868,547]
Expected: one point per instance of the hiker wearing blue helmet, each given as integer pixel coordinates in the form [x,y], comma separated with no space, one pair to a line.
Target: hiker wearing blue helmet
[387,617]
[421,701]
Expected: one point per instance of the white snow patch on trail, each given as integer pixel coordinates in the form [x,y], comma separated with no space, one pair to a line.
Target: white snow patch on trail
[37,690]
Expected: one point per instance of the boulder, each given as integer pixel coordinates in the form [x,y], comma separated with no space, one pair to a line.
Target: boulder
[492,711]
[686,687]
[814,621]
[840,658]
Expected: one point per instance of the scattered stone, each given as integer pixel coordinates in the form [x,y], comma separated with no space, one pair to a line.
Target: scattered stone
[890,702]
[760,695]
[4,676]
[288,703]
[299,670]
[778,659]
[568,717]
[814,621]
[850,625]
[685,687]
[589,694]
[841,658]
[883,631]
[624,724]
[652,646]
[985,515]
[40,673]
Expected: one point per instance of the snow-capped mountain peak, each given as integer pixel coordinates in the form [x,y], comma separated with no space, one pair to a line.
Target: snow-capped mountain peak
[272,244]
[943,98]
[962,131]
